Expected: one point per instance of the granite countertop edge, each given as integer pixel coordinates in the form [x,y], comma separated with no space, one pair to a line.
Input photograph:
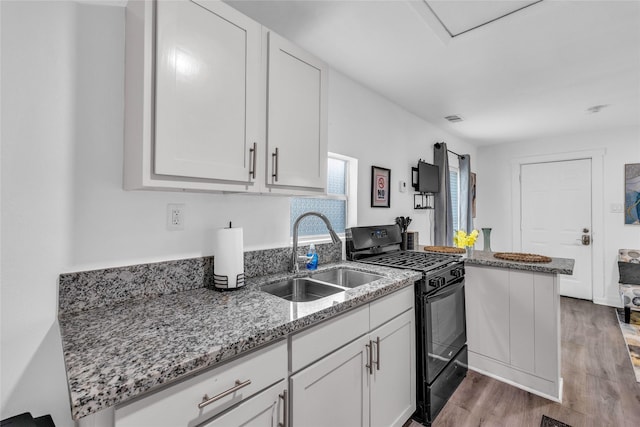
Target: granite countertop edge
[556,266]
[103,381]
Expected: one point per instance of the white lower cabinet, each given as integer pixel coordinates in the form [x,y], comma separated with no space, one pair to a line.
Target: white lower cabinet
[393,383]
[355,369]
[368,382]
[513,327]
[267,409]
[334,390]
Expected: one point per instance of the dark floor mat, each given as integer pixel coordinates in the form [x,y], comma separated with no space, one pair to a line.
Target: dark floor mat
[550,422]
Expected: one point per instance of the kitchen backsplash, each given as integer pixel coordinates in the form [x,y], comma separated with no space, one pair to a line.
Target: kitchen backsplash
[86,290]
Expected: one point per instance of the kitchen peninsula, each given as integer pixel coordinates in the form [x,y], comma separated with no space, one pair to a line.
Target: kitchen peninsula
[513,321]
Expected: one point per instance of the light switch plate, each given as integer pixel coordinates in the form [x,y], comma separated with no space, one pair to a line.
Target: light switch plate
[403,186]
[617,208]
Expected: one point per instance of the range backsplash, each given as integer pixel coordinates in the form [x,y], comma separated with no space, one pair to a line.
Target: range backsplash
[86,290]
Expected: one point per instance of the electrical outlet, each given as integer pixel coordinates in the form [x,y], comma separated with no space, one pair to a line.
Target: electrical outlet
[617,208]
[175,216]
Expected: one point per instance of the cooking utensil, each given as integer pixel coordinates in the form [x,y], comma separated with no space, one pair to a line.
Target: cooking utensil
[403,222]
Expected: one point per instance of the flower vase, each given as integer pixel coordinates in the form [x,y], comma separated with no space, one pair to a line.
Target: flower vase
[469,251]
[486,234]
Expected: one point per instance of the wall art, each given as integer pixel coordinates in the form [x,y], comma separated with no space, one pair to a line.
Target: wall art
[380,194]
[632,193]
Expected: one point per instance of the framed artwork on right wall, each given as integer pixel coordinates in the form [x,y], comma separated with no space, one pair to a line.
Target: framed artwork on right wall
[632,193]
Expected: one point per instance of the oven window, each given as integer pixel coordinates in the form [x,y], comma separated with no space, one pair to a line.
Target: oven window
[446,330]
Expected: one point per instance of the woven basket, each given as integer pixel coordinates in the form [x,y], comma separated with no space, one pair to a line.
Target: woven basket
[520,257]
[444,249]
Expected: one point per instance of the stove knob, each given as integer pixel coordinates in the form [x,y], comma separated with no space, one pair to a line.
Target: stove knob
[435,282]
[457,272]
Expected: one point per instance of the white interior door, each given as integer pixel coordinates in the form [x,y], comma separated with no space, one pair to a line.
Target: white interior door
[556,214]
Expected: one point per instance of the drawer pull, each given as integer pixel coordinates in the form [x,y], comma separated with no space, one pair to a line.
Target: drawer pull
[206,400]
[377,353]
[285,409]
[274,165]
[370,357]
[253,153]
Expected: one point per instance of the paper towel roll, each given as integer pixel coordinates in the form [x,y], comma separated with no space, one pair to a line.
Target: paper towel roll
[228,259]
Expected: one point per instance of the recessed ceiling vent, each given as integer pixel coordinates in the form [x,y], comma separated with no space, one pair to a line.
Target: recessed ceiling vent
[454,118]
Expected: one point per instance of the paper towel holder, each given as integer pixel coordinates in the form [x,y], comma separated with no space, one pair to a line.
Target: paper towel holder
[222,282]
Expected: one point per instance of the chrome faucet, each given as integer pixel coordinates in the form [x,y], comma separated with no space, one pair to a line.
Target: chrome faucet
[293,266]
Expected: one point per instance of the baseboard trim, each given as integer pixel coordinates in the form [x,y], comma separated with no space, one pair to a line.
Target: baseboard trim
[610,302]
[522,387]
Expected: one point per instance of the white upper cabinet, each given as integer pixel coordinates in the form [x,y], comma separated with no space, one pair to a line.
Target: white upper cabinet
[203,88]
[297,116]
[207,77]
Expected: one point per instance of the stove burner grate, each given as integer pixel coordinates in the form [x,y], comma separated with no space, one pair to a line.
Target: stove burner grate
[412,260]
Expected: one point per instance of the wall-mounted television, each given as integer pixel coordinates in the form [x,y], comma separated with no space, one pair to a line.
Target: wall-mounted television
[426,178]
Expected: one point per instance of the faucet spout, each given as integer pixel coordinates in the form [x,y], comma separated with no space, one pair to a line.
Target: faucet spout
[293,265]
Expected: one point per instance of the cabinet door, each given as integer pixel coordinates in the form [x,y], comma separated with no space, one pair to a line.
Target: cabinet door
[333,391]
[487,310]
[267,409]
[207,96]
[297,117]
[393,388]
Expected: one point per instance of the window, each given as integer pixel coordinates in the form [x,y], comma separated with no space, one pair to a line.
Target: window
[454,177]
[336,205]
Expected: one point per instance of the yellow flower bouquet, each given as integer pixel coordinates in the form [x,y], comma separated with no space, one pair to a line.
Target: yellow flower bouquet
[461,239]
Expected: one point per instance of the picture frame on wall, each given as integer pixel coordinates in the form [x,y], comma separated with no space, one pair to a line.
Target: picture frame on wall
[632,193]
[380,187]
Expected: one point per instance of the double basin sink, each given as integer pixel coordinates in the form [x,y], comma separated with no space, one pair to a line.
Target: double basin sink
[319,285]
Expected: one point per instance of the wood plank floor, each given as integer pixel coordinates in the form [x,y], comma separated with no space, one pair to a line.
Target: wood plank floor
[599,385]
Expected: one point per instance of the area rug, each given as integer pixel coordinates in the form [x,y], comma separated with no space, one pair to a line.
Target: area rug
[631,334]
[550,422]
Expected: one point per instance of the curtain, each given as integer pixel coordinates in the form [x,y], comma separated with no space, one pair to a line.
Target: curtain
[443,222]
[466,195]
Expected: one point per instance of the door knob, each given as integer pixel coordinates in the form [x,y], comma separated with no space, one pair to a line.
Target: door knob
[586,239]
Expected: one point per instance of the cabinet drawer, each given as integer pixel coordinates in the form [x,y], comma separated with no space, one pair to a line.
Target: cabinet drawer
[264,409]
[178,404]
[310,345]
[390,306]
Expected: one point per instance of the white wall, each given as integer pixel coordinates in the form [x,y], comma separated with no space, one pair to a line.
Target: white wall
[494,197]
[365,125]
[63,207]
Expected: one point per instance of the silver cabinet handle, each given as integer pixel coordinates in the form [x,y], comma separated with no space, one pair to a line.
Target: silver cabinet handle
[370,357]
[206,400]
[285,409]
[252,160]
[377,353]
[274,165]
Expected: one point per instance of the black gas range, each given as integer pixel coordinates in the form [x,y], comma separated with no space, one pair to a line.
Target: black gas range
[441,334]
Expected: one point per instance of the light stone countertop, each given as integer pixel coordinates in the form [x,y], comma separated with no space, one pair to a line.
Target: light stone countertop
[556,266]
[113,354]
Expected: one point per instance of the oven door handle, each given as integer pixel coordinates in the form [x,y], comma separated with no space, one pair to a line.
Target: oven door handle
[447,291]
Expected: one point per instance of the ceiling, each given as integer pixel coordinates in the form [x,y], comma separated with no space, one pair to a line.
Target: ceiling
[531,74]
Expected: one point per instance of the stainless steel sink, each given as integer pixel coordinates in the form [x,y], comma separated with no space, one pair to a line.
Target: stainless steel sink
[346,277]
[301,290]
